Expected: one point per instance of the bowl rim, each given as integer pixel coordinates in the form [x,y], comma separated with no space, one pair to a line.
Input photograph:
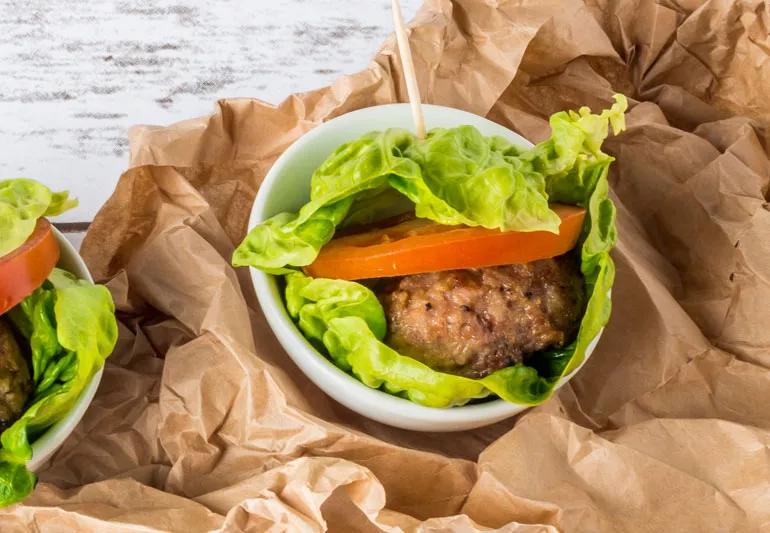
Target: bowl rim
[317,367]
[46,444]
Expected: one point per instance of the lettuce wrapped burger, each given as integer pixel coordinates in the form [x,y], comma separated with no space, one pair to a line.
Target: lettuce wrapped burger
[492,281]
[55,330]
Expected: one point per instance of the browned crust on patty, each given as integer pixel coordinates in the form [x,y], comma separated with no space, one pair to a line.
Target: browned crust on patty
[473,322]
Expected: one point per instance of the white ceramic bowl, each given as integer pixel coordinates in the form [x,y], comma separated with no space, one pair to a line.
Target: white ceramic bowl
[286,188]
[45,445]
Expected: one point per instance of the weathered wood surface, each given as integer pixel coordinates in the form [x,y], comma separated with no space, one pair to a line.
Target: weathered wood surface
[75,74]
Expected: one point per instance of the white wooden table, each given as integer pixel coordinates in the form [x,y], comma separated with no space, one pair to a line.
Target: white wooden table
[75,74]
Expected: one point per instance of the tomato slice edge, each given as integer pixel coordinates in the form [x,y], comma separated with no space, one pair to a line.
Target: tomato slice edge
[27,267]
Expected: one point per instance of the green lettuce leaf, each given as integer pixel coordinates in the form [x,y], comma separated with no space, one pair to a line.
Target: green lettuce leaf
[22,202]
[315,302]
[466,178]
[71,328]
[358,168]
[454,176]
[345,319]
[16,482]
[34,318]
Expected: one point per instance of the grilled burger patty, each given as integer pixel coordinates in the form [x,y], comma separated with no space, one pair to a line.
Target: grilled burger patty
[473,322]
[15,381]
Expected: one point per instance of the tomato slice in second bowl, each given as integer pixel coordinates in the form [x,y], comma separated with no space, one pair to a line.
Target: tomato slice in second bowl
[27,267]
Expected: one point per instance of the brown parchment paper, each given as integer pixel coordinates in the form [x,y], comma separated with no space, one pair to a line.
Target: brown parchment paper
[202,423]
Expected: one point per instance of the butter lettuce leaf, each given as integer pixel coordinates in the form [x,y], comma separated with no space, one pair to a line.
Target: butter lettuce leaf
[22,202]
[453,176]
[313,303]
[358,168]
[466,178]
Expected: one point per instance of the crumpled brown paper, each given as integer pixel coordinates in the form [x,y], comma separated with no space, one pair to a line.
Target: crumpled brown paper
[203,423]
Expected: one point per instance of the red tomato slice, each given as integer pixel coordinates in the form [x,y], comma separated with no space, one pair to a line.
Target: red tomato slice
[421,245]
[26,268]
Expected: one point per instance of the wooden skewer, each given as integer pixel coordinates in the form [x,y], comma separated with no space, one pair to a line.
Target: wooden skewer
[408,67]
